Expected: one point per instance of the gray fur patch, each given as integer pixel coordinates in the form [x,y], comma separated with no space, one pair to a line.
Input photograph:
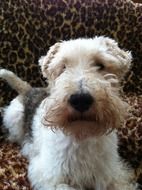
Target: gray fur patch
[32,100]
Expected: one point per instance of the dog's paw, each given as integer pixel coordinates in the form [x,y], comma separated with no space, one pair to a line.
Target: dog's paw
[64,187]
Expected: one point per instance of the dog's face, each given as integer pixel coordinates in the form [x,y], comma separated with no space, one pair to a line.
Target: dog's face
[84,79]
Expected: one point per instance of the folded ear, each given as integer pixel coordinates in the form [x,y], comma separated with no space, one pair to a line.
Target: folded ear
[44,61]
[124,58]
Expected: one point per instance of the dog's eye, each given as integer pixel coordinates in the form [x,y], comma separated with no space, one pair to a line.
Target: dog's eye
[100,66]
[64,67]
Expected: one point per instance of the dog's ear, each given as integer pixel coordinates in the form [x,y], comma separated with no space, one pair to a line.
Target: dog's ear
[123,57]
[44,61]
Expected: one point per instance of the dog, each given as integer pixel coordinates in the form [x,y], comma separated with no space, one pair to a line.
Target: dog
[68,130]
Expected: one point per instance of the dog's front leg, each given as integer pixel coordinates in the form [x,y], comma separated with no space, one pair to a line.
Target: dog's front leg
[65,187]
[122,185]
[57,187]
[48,178]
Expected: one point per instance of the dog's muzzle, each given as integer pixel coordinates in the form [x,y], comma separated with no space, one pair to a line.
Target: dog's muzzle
[81,101]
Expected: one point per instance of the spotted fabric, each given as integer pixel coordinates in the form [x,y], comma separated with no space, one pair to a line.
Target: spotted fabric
[13,172]
[130,136]
[29,27]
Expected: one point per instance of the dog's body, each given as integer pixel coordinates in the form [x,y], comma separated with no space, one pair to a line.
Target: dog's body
[69,135]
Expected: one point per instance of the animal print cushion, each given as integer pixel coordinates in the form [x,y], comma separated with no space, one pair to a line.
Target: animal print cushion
[29,28]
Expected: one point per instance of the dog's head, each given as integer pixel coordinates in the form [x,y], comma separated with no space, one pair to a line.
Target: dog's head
[84,77]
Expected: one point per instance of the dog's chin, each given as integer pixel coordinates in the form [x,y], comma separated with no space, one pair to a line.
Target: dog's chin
[85,126]
[81,123]
[82,129]
[81,120]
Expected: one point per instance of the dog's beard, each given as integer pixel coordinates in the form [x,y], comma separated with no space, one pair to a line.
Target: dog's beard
[106,114]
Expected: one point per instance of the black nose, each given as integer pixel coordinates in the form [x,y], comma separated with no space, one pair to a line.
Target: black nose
[81,102]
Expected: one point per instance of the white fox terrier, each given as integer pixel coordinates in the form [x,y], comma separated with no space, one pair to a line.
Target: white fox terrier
[68,130]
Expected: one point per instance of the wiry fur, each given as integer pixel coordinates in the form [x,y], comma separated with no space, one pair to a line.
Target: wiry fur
[15,82]
[70,150]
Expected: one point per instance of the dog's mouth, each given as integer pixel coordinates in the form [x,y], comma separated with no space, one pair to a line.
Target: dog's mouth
[81,118]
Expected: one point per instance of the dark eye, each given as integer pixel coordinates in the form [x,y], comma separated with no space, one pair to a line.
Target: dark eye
[64,67]
[100,66]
